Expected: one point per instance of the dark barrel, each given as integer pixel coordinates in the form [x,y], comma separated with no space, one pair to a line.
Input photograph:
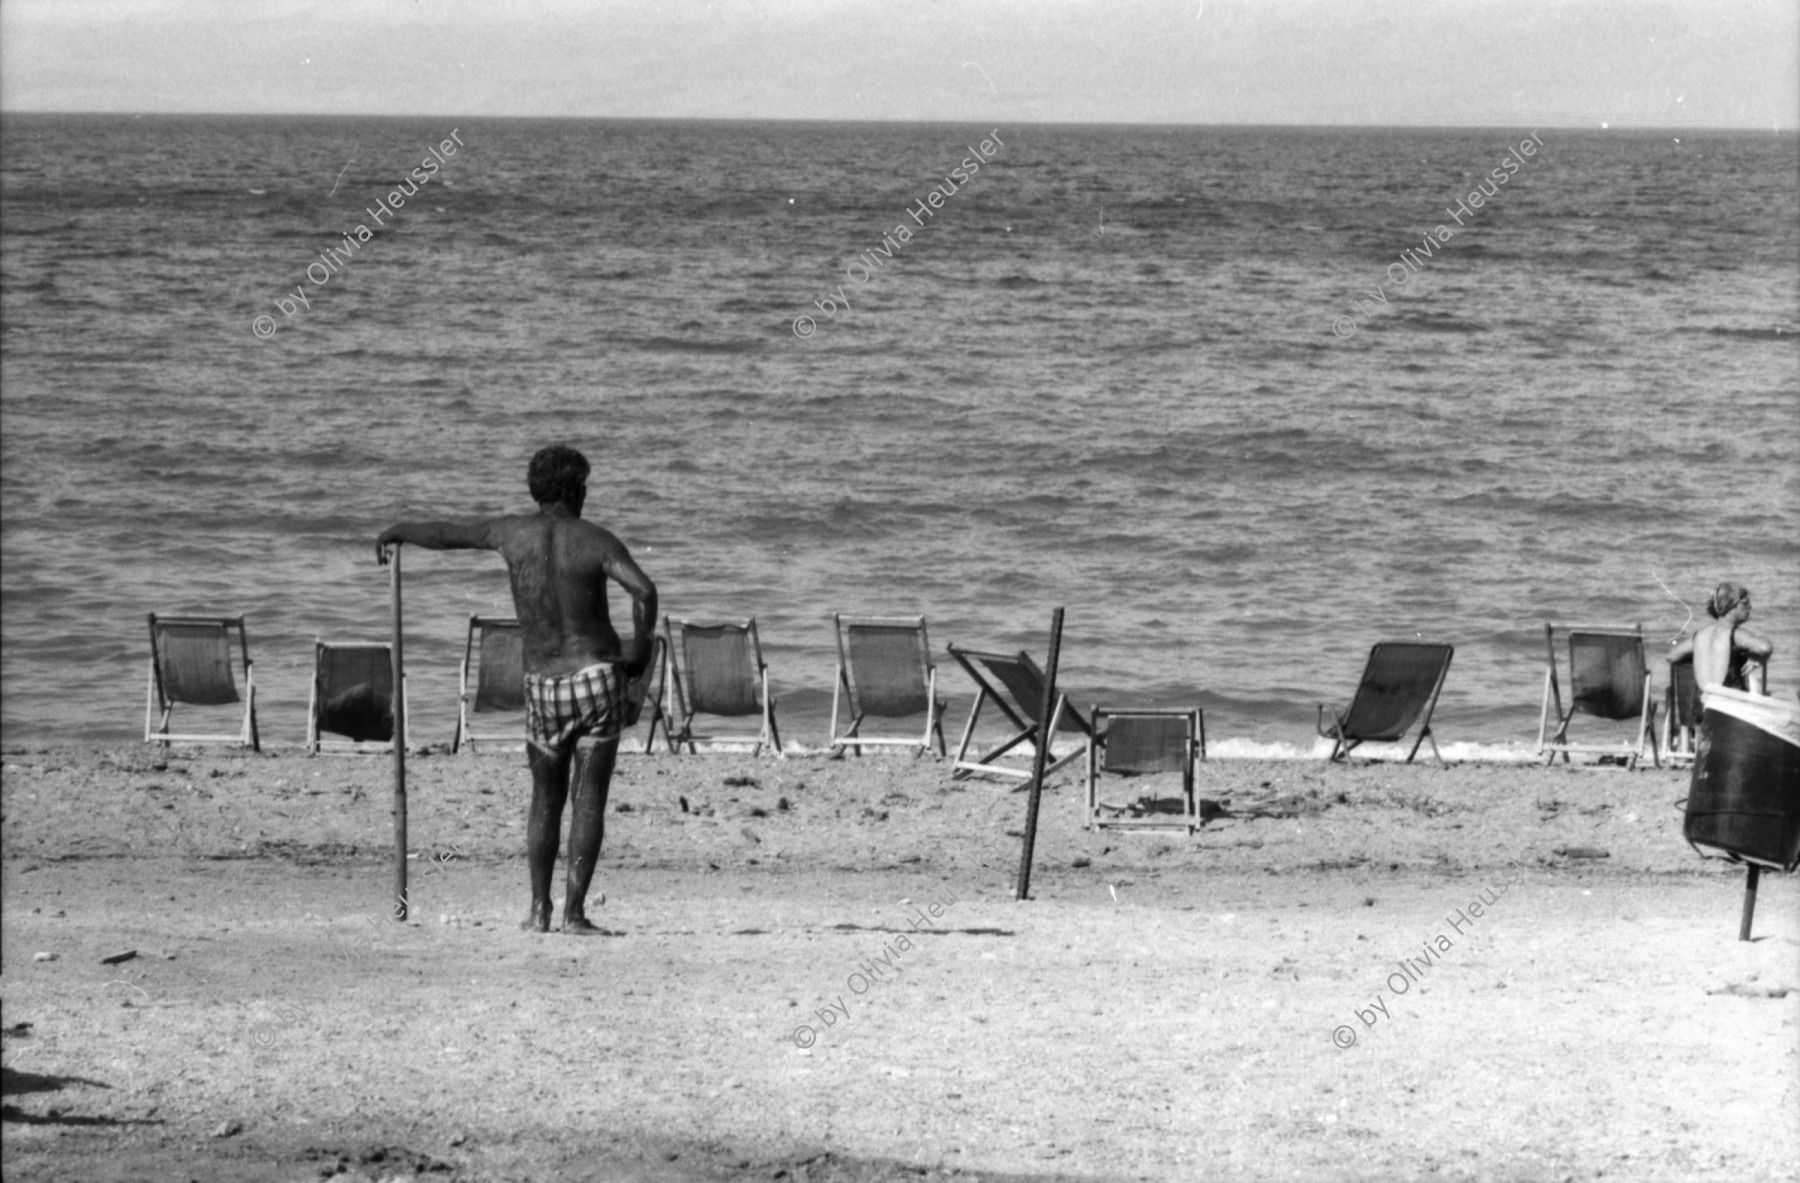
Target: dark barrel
[1744,798]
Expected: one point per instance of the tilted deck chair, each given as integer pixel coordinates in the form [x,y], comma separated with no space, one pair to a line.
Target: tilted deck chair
[1019,679]
[1399,686]
[352,698]
[885,671]
[717,669]
[1681,713]
[1609,678]
[1138,743]
[494,653]
[190,662]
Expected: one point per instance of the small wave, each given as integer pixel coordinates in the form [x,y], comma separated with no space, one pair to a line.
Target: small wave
[676,345]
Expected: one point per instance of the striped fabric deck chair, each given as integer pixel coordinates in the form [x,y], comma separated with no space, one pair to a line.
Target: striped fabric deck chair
[885,672]
[1681,713]
[1132,744]
[1015,685]
[352,698]
[1609,678]
[190,663]
[494,653]
[717,669]
[1399,687]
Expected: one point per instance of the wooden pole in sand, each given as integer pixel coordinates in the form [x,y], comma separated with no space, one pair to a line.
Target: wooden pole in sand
[399,711]
[1750,878]
[1045,710]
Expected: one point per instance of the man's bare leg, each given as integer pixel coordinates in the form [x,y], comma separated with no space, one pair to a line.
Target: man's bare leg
[587,826]
[549,790]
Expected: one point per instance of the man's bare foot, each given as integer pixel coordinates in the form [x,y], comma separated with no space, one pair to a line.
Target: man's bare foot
[537,920]
[581,926]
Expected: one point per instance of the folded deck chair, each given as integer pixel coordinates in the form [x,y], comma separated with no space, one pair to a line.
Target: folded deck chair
[1609,679]
[1399,686]
[190,662]
[885,671]
[1140,743]
[717,669]
[494,653]
[1020,680]
[1681,713]
[352,698]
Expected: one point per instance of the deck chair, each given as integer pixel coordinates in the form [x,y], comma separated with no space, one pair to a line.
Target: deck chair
[1681,713]
[1139,743]
[494,653]
[1609,679]
[649,692]
[352,698]
[1022,682]
[190,662]
[884,671]
[717,669]
[1399,687]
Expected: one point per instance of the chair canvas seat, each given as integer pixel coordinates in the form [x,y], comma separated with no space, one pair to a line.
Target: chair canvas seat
[1609,678]
[717,669]
[1133,743]
[190,663]
[494,653]
[1399,687]
[1015,677]
[885,672]
[352,698]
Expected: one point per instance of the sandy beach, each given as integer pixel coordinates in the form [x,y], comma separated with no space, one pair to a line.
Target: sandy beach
[1164,1007]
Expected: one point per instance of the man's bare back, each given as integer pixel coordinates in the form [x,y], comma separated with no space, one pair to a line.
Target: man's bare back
[559,566]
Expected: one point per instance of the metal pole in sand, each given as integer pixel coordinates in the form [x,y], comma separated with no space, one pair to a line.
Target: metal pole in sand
[399,711]
[1750,878]
[1045,709]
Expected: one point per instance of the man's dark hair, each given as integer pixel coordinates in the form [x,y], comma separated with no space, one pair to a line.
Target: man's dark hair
[558,474]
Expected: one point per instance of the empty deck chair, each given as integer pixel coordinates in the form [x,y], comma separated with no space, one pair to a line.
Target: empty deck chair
[1608,679]
[649,692]
[494,653]
[1681,713]
[717,669]
[1399,687]
[1140,743]
[352,698]
[1020,680]
[885,672]
[190,663]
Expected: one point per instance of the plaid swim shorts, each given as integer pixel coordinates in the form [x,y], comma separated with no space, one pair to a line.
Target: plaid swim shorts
[560,710]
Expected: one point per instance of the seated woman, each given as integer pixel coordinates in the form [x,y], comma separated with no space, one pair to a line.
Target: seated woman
[1724,651]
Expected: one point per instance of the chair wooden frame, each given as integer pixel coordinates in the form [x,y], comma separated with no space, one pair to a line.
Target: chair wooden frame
[160,700]
[1021,715]
[1552,743]
[469,694]
[683,691]
[315,741]
[849,691]
[1093,807]
[1344,732]
[1681,713]
[655,675]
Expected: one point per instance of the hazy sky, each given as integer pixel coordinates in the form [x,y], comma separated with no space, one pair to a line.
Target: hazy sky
[1679,63]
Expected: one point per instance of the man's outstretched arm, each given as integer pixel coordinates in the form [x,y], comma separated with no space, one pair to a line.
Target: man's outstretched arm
[438,536]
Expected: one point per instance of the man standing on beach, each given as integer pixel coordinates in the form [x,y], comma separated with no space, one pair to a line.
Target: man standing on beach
[576,671]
